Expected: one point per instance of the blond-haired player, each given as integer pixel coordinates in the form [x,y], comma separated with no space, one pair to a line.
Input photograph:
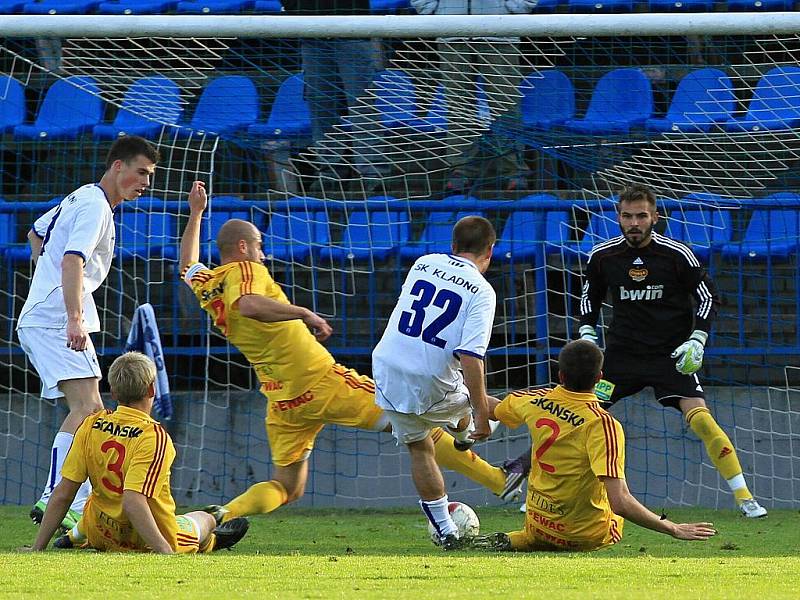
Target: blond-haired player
[577,495]
[127,456]
[305,388]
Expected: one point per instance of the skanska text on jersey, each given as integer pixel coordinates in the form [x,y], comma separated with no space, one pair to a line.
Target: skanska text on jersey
[554,408]
[116,429]
[449,277]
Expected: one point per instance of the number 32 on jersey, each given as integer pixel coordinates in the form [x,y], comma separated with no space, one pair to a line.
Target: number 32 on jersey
[411,322]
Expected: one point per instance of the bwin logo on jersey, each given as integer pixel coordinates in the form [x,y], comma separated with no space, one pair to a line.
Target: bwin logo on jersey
[651,292]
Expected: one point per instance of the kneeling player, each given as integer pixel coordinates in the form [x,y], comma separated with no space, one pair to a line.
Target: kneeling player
[127,456]
[577,496]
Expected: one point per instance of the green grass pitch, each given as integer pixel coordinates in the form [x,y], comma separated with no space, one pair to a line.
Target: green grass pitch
[324,554]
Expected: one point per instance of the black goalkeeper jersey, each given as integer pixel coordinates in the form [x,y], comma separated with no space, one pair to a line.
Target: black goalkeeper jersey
[651,293]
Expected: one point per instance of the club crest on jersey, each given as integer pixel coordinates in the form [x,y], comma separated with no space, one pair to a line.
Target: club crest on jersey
[638,274]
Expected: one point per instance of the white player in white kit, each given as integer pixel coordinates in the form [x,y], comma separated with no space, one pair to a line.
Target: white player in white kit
[428,366]
[72,246]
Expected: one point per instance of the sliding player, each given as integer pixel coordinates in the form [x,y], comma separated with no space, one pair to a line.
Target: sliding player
[305,388]
[577,496]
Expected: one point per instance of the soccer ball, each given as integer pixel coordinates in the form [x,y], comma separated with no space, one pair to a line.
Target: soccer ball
[465,519]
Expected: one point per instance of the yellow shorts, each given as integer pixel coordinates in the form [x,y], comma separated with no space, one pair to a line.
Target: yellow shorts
[341,397]
[104,535]
[535,538]
[188,537]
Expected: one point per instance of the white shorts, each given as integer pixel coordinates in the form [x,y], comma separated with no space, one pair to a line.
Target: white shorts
[54,362]
[408,428]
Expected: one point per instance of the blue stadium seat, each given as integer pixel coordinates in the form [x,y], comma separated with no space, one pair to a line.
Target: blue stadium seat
[395,98]
[376,235]
[703,230]
[268,6]
[292,235]
[435,119]
[397,104]
[9,243]
[775,103]
[771,233]
[548,99]
[9,7]
[681,5]
[765,5]
[388,7]
[210,228]
[70,107]
[622,99]
[289,117]
[547,6]
[226,105]
[602,226]
[438,233]
[703,99]
[145,230]
[157,96]
[214,7]
[136,7]
[600,6]
[517,241]
[60,7]
[12,103]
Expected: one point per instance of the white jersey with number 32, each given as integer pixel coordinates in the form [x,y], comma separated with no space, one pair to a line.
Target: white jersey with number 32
[83,224]
[446,309]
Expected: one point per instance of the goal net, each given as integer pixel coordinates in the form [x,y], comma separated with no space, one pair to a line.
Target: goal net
[354,155]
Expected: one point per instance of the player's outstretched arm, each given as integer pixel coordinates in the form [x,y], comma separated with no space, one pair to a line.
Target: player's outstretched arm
[267,310]
[476,384]
[138,510]
[190,242]
[57,507]
[625,505]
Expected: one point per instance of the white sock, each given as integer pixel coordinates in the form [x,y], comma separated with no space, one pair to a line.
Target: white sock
[737,482]
[81,497]
[58,453]
[76,535]
[439,516]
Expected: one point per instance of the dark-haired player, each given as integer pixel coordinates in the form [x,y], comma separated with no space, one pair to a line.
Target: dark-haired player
[577,496]
[72,246]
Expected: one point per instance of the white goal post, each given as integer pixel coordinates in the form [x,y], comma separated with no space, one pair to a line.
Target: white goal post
[400,26]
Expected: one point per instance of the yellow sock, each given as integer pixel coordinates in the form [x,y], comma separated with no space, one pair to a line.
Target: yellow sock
[467,463]
[260,498]
[720,450]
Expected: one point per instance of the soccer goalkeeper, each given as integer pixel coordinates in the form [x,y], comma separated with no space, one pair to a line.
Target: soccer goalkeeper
[127,456]
[577,495]
[305,388]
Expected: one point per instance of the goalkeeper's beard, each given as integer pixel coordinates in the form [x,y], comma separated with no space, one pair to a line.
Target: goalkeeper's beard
[643,236]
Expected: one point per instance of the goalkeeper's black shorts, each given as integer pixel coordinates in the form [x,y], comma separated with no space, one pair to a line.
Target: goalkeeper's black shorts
[630,373]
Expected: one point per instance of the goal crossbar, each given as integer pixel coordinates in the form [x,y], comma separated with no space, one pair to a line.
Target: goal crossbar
[398,26]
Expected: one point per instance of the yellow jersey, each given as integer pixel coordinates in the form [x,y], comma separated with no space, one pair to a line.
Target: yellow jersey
[119,450]
[575,441]
[286,356]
